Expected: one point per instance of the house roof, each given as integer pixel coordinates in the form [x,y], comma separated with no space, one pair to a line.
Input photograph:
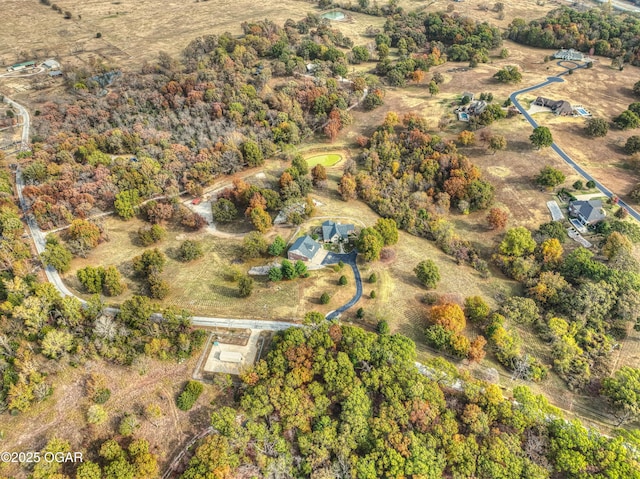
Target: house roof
[51,63]
[590,210]
[557,106]
[331,228]
[305,246]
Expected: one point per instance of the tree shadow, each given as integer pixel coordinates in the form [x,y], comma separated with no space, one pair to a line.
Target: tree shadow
[225,291]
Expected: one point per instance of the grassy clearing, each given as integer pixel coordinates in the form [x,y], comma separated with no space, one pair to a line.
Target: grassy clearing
[327,160]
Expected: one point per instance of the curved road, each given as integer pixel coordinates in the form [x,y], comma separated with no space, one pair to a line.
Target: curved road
[26,122]
[350,259]
[567,159]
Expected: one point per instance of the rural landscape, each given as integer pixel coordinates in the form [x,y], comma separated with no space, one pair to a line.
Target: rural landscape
[319,239]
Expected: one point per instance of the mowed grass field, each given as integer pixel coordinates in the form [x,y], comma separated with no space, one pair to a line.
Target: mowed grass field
[329,159]
[203,286]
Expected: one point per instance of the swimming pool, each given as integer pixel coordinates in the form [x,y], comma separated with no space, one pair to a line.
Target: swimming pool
[583,112]
[335,15]
[463,116]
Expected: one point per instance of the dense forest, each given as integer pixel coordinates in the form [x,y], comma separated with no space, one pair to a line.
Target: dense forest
[336,401]
[176,126]
[580,302]
[414,177]
[610,35]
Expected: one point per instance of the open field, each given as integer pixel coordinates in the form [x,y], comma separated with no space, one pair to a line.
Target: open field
[132,389]
[136,30]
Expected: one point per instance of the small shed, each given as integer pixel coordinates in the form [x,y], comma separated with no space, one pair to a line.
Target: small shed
[51,64]
[231,357]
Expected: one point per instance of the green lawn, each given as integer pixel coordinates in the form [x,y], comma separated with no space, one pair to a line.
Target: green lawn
[324,160]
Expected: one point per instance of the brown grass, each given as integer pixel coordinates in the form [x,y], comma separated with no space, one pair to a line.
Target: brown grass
[148,381]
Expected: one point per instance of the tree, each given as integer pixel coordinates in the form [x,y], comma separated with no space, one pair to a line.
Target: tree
[636,88]
[497,218]
[466,138]
[427,273]
[125,203]
[370,244]
[517,242]
[252,153]
[96,414]
[245,286]
[254,245]
[224,211]
[347,187]
[551,252]
[300,268]
[56,342]
[520,310]
[319,176]
[623,392]
[508,74]
[343,280]
[112,281]
[360,54]
[149,262]
[91,278]
[136,311]
[388,230]
[627,120]
[148,235]
[617,244]
[83,235]
[261,219]
[632,145]
[597,127]
[550,177]
[433,88]
[541,137]
[450,316]
[325,298]
[190,250]
[277,247]
[578,185]
[554,229]
[497,143]
[275,274]
[476,309]
[158,287]
[128,425]
[189,395]
[56,255]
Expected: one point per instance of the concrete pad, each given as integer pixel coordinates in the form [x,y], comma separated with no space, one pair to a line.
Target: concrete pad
[248,352]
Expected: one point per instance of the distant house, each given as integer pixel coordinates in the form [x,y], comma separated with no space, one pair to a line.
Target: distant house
[587,212]
[560,107]
[469,95]
[51,64]
[570,54]
[333,232]
[21,66]
[304,248]
[55,73]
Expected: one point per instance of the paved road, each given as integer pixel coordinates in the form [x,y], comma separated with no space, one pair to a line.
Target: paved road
[350,259]
[26,121]
[557,79]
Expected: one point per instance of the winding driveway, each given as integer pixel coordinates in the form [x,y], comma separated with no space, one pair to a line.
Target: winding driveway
[350,259]
[567,159]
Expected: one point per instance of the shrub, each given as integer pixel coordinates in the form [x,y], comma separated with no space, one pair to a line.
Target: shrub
[373,278]
[128,425]
[101,396]
[360,313]
[383,327]
[190,250]
[372,295]
[189,395]
[343,280]
[325,298]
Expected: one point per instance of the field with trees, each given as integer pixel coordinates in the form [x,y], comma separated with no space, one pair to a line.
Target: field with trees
[458,258]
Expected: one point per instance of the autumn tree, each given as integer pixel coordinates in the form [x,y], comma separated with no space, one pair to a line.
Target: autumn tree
[83,236]
[319,176]
[550,177]
[497,143]
[254,245]
[450,316]
[466,138]
[261,220]
[347,187]
[497,218]
[125,203]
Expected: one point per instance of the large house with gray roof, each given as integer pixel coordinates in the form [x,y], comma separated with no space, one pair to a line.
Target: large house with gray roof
[333,232]
[304,248]
[587,212]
